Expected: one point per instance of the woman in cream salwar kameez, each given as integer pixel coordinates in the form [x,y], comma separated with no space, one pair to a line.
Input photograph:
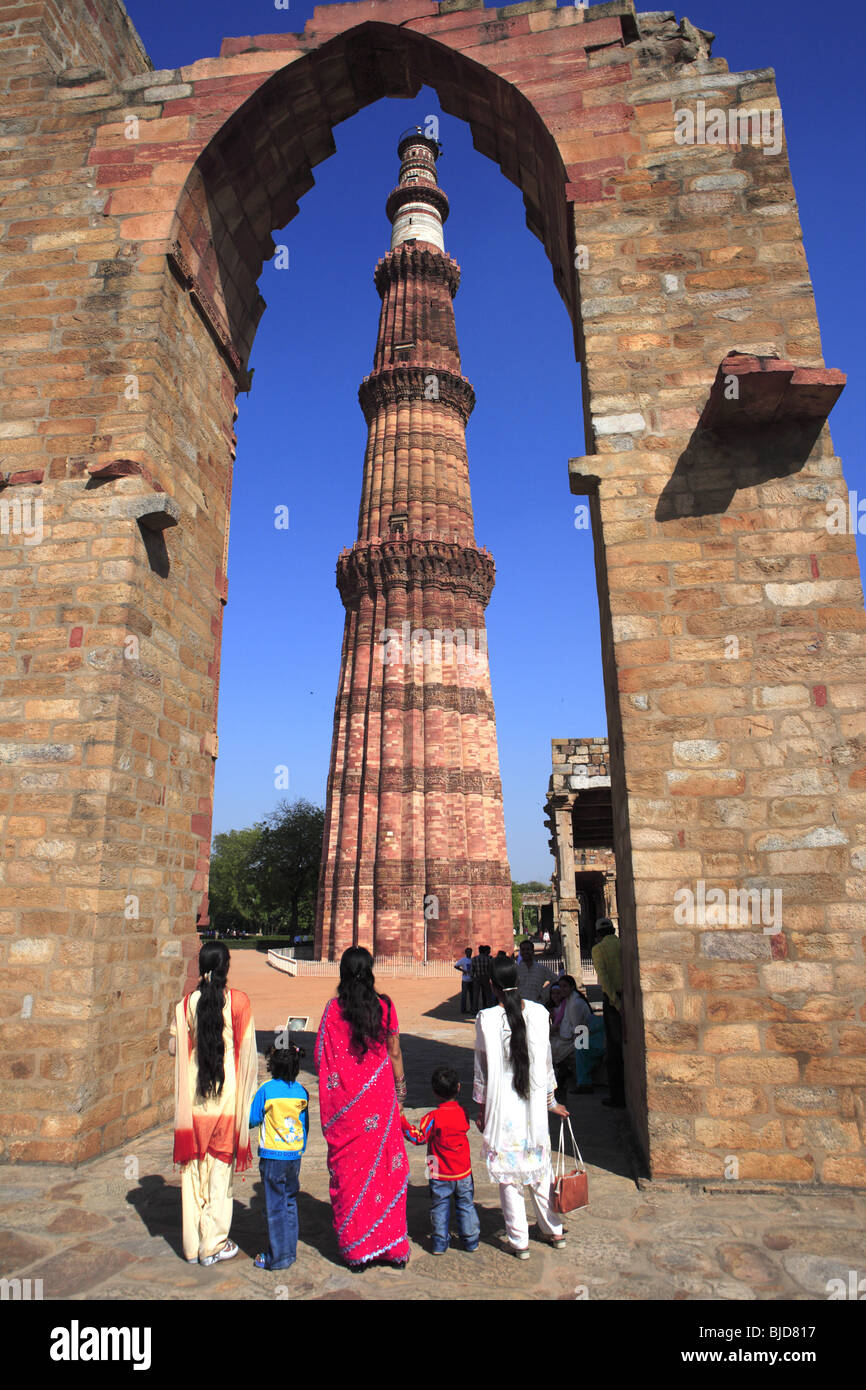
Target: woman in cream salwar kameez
[216,1073]
[514,1086]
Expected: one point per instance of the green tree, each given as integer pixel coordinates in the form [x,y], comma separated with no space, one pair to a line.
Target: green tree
[516,901]
[235,901]
[266,876]
[286,865]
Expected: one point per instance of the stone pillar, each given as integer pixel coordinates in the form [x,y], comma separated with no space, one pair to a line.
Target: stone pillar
[610,908]
[570,929]
[565,867]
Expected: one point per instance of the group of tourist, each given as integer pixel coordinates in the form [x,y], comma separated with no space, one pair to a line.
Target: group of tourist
[579,1038]
[476,987]
[362,1091]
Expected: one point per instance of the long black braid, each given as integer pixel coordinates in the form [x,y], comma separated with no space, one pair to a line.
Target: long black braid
[213,965]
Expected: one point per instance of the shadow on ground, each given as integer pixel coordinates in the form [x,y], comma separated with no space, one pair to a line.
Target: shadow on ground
[601,1135]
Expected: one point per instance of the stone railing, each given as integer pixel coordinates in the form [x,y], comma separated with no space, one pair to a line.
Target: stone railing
[389,966]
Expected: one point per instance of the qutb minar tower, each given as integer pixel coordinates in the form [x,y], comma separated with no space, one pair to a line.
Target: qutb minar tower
[414,856]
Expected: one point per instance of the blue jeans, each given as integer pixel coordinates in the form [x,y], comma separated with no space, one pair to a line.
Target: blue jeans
[281,1178]
[466,996]
[468,1225]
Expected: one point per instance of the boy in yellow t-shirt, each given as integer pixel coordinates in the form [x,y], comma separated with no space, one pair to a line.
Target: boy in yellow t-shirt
[281,1108]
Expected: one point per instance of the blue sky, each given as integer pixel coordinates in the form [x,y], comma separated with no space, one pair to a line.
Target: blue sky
[301,434]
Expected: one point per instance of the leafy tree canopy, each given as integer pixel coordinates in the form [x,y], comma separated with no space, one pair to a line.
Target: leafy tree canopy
[265,878]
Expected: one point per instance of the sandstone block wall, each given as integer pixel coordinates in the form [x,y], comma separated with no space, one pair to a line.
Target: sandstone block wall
[137,210]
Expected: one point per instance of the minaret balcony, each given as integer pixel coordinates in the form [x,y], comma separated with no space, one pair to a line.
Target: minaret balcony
[418,560]
[417,193]
[402,382]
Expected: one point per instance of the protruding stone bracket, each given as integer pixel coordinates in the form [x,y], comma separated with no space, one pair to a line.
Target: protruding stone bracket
[123,468]
[583,477]
[24,475]
[81,76]
[751,391]
[155,512]
[210,745]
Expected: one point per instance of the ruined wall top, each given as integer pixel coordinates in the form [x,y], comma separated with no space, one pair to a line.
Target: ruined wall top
[587,759]
[107,47]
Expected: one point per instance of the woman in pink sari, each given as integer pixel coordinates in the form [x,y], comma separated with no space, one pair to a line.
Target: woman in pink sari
[361,1093]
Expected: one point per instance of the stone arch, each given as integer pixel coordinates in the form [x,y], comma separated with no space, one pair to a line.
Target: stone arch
[242,187]
[709,520]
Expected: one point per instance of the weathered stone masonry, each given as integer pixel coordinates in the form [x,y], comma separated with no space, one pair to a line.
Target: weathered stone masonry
[137,210]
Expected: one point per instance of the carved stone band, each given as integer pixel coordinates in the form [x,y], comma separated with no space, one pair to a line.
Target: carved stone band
[375,567]
[384,388]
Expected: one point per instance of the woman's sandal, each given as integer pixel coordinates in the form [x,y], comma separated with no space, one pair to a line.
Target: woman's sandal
[228,1252]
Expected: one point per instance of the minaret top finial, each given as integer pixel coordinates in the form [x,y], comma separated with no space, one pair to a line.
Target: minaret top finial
[415,136]
[417,207]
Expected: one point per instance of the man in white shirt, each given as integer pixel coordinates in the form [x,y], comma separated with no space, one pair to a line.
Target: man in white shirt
[533,978]
[464,965]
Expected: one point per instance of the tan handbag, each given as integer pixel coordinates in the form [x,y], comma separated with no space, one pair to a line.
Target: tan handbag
[570,1189]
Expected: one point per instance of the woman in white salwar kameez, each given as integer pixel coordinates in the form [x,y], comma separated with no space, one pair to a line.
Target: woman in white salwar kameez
[514,1085]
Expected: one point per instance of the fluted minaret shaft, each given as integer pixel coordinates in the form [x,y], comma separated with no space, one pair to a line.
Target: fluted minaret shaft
[414,856]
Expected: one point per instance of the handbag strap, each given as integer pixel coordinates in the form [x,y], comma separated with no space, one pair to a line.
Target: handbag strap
[560,1157]
[559,1170]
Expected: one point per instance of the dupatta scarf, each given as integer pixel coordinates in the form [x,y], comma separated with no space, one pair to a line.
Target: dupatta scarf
[219,1125]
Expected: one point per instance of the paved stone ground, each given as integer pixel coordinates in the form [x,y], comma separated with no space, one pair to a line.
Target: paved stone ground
[97,1232]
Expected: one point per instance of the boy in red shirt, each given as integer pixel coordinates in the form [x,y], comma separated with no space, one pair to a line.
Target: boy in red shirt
[445,1132]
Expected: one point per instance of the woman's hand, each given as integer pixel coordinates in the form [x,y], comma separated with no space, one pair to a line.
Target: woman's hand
[559,1110]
